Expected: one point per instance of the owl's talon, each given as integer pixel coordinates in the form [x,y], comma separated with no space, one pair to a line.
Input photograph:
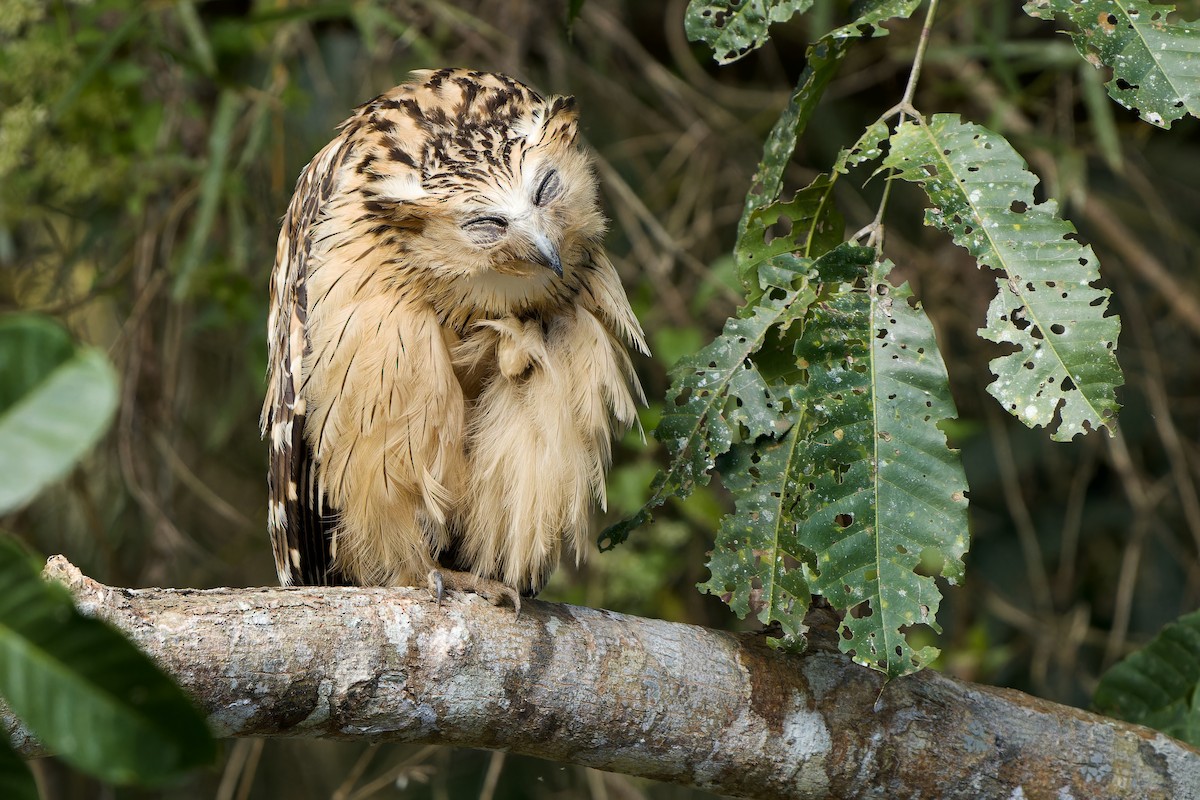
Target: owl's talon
[437,585]
[493,591]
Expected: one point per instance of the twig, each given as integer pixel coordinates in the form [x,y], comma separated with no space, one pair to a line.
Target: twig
[874,231]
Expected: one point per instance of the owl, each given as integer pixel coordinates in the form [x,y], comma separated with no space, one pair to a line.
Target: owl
[449,345]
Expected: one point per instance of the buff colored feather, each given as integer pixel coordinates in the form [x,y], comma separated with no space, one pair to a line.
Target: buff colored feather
[448,342]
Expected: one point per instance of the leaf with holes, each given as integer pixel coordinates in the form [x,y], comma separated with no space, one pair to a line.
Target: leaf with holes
[808,225]
[756,563]
[870,15]
[1064,366]
[1155,63]
[869,147]
[733,28]
[1159,685]
[717,397]
[884,493]
[821,64]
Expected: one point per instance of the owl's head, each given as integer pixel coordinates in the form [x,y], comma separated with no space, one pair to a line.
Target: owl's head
[486,177]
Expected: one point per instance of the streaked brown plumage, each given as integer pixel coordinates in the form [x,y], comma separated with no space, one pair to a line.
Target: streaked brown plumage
[447,339]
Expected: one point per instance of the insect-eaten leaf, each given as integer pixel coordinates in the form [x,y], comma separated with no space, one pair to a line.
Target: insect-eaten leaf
[820,65]
[809,225]
[869,16]
[717,397]
[885,493]
[734,28]
[1062,372]
[861,489]
[1153,60]
[756,564]
[867,148]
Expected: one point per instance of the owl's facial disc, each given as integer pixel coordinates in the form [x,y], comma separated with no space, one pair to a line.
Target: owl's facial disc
[521,225]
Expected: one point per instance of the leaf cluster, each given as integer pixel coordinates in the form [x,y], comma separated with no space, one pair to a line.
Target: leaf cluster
[821,402]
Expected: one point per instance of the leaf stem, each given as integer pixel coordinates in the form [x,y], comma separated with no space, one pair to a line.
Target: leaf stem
[919,57]
[905,108]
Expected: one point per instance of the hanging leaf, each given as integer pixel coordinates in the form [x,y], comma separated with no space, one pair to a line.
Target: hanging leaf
[1155,63]
[717,397]
[55,402]
[1159,685]
[884,493]
[733,28]
[756,562]
[1064,367]
[821,64]
[85,690]
[809,225]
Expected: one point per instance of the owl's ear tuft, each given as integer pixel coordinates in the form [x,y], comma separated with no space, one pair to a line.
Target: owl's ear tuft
[562,123]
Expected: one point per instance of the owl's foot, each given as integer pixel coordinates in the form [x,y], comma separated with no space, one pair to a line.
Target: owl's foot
[493,591]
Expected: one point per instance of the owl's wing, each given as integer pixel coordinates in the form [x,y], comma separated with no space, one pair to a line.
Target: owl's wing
[298,520]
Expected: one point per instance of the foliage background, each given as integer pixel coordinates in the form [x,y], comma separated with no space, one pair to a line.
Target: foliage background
[147,152]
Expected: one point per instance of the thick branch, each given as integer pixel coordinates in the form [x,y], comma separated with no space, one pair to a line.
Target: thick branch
[640,696]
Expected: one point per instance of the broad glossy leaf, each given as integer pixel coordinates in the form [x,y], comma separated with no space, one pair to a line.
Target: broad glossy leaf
[717,397]
[1159,685]
[734,28]
[56,402]
[16,781]
[31,348]
[1155,62]
[884,492]
[85,690]
[1064,366]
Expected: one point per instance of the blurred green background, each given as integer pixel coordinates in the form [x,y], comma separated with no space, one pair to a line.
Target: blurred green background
[148,151]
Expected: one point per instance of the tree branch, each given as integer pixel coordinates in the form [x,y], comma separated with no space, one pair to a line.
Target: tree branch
[640,696]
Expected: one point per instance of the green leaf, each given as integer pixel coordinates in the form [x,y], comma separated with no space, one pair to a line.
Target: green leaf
[756,561]
[870,14]
[821,64]
[1155,63]
[31,348]
[55,402]
[809,225]
[16,781]
[869,147]
[717,397]
[85,690]
[1064,366]
[1159,685]
[733,28]
[884,493]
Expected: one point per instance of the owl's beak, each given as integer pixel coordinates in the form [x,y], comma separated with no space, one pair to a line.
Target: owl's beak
[547,253]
